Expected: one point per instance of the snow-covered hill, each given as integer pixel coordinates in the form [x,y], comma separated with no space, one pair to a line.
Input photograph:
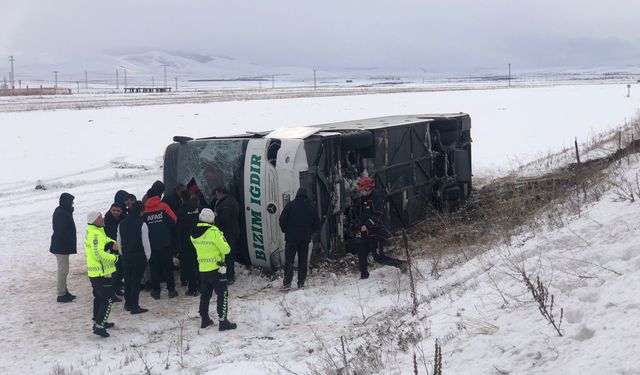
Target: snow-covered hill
[191,69]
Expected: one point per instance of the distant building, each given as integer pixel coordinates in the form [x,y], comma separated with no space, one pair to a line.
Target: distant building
[34,91]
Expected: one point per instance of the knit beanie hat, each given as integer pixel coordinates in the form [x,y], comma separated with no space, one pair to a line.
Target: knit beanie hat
[92,216]
[207,216]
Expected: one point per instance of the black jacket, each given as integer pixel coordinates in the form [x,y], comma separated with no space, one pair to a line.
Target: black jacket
[228,218]
[299,219]
[111,225]
[187,221]
[131,236]
[161,222]
[372,214]
[64,240]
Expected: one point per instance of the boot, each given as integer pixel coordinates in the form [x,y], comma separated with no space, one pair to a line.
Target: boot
[64,299]
[285,287]
[100,331]
[155,294]
[192,293]
[70,295]
[173,293]
[206,322]
[138,310]
[225,325]
[116,299]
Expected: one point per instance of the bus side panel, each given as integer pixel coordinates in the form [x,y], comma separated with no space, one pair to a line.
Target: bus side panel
[255,181]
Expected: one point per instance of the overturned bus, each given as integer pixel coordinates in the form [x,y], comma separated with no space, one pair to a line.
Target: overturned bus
[416,160]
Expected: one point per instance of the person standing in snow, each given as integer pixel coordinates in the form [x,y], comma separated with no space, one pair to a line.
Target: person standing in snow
[372,229]
[227,212]
[161,221]
[298,222]
[211,249]
[63,243]
[187,221]
[111,220]
[133,240]
[102,255]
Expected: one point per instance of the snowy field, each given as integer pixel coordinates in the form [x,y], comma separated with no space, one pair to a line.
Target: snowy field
[479,311]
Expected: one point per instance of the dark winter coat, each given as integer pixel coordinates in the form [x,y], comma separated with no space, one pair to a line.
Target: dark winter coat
[187,221]
[299,220]
[63,240]
[111,225]
[161,222]
[130,230]
[228,218]
[372,214]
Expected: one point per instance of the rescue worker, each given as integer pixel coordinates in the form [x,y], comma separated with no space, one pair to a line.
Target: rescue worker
[63,243]
[227,212]
[298,222]
[211,249]
[102,255]
[372,229]
[162,230]
[133,239]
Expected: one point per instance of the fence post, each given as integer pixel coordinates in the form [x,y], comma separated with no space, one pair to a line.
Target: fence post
[577,152]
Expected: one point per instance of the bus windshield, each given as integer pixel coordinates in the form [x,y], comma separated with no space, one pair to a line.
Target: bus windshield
[211,163]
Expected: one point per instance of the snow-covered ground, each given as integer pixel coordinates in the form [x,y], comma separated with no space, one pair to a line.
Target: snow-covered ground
[479,311]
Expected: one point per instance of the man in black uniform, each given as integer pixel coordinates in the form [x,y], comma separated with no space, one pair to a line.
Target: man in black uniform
[162,231]
[372,229]
[187,221]
[111,220]
[298,222]
[227,212]
[133,240]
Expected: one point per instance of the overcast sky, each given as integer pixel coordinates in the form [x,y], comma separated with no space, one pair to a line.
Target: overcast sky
[445,35]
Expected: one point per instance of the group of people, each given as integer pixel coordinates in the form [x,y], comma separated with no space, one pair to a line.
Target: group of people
[133,245]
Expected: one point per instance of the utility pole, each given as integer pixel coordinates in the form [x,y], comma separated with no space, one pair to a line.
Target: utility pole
[12,76]
[176,83]
[165,74]
[55,85]
[153,84]
[125,78]
[273,81]
[509,74]
[314,79]
[117,80]
[86,82]
[78,83]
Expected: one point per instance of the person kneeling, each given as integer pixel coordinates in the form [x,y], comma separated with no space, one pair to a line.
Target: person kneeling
[211,249]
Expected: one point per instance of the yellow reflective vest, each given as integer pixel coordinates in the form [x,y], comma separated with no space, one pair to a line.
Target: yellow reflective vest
[211,248]
[99,262]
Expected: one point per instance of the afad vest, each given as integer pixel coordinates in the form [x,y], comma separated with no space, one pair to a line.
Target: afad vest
[99,262]
[211,248]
